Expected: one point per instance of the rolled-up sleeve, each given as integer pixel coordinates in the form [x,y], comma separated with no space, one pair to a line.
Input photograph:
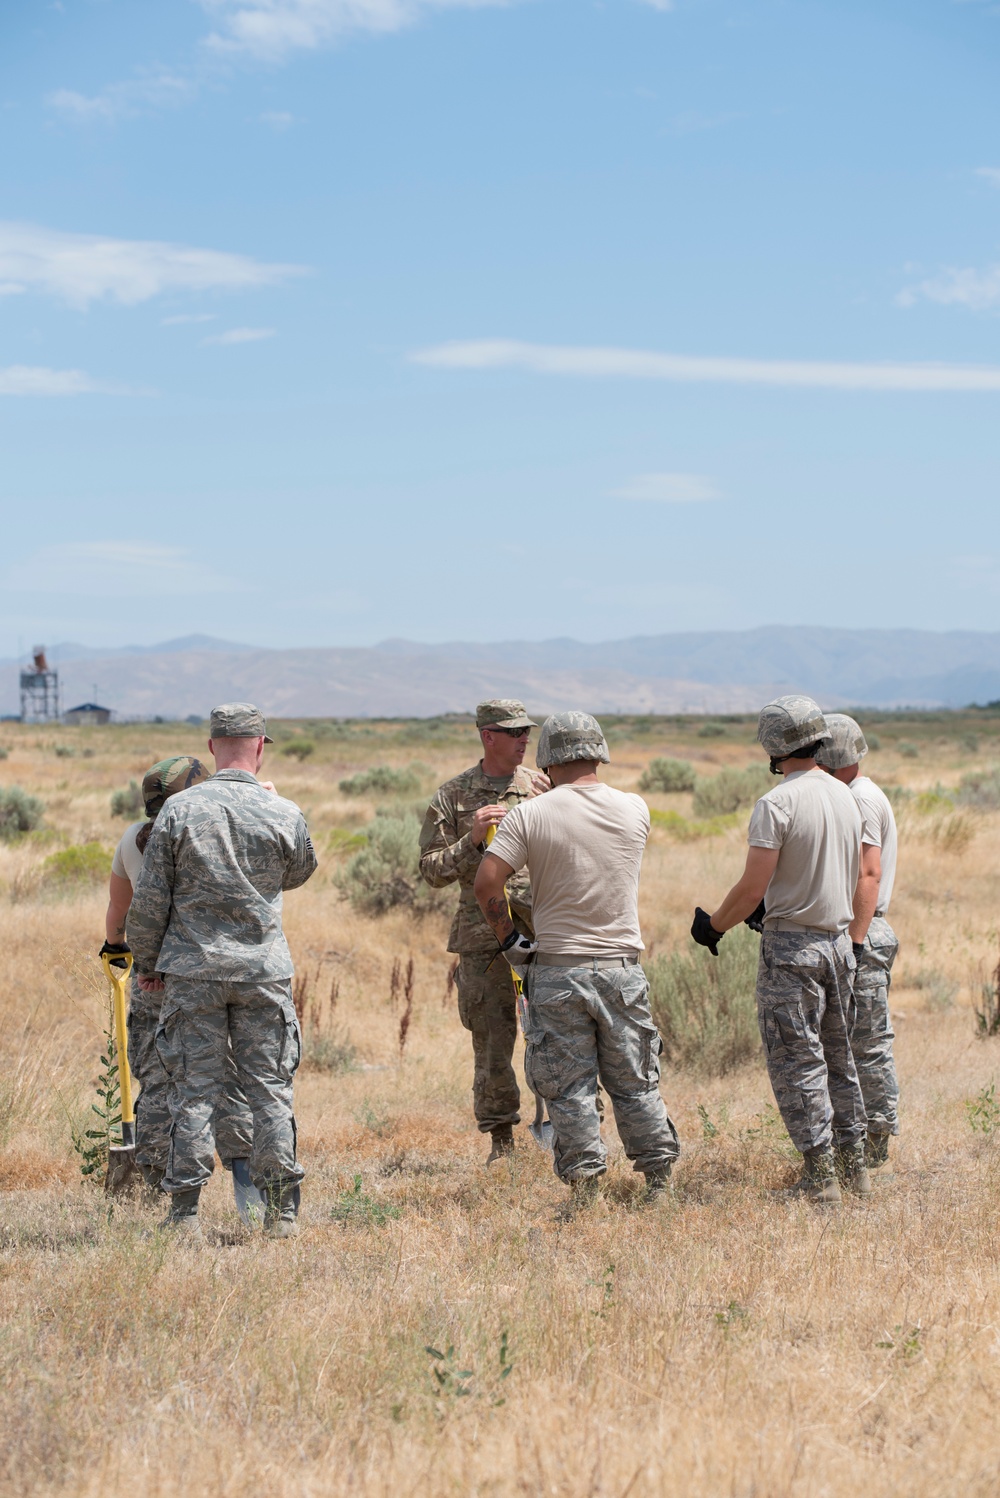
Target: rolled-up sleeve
[302,863]
[149,913]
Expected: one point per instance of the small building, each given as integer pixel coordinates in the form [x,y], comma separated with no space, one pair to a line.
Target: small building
[87,712]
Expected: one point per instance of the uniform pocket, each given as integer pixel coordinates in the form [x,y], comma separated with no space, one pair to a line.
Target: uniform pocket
[291,1047]
[168,1041]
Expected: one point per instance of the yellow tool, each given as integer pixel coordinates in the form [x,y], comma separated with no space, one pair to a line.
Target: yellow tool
[120,1178]
[541,1130]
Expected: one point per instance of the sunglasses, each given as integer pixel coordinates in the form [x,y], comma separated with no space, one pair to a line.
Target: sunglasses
[513,733]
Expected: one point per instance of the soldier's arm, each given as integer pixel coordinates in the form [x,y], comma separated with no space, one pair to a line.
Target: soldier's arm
[149,913]
[444,856]
[866,893]
[302,864]
[491,893]
[748,891]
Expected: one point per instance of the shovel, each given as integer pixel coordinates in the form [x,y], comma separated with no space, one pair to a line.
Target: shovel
[122,1177]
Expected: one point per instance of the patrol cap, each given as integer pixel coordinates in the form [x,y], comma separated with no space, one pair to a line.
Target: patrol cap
[503,712]
[570,736]
[167,777]
[238,720]
[847,745]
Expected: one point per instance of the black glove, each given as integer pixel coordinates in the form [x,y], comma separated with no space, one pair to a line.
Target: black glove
[755,920]
[120,949]
[859,950]
[704,932]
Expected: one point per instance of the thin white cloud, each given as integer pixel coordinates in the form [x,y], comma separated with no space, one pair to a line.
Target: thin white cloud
[135,569]
[29,379]
[152,90]
[278,119]
[272,29]
[668,488]
[637,364]
[663,5]
[83,268]
[979,290]
[188,317]
[991,173]
[241,335]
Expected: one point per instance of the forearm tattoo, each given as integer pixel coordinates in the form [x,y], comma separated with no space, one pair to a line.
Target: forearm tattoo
[497,912]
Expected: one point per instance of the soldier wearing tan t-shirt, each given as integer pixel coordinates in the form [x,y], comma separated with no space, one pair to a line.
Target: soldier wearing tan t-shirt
[588,1013]
[801,875]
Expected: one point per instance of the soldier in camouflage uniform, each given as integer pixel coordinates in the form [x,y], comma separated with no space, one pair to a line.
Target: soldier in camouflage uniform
[875,942]
[460,821]
[233,1120]
[206,918]
[799,882]
[588,1014]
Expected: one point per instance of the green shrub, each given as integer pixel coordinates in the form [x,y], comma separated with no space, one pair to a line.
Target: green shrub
[980,788]
[667,775]
[687,830]
[908,750]
[128,803]
[382,780]
[941,990]
[334,1053]
[898,796]
[64,751]
[873,741]
[705,1007]
[19,813]
[731,790]
[711,731]
[80,863]
[299,749]
[3,752]
[386,873]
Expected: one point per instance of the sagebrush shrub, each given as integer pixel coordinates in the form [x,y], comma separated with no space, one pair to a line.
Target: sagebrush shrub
[386,873]
[128,803]
[19,812]
[667,775]
[80,863]
[731,790]
[980,788]
[299,749]
[705,1007]
[382,780]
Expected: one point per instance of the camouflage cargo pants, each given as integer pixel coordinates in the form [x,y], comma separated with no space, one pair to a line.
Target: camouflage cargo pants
[488,1009]
[872,1036]
[803,1003]
[233,1121]
[586,1023]
[199,1021]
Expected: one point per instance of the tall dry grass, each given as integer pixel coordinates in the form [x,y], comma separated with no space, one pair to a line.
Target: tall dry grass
[728,1343]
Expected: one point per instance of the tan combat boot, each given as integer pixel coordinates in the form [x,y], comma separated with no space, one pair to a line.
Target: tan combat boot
[584,1196]
[877,1153]
[281,1212]
[503,1144]
[182,1219]
[658,1186]
[851,1168]
[818,1182]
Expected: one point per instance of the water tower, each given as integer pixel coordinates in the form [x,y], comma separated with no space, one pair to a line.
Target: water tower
[39,690]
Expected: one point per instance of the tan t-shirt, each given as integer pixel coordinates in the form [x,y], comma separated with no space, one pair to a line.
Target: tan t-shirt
[127,862]
[815,822]
[583,845]
[879,831]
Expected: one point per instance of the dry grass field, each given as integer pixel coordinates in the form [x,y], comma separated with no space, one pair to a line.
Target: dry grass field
[728,1343]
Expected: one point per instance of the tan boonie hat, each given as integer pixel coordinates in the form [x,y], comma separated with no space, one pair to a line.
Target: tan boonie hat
[503,712]
[169,776]
[238,720]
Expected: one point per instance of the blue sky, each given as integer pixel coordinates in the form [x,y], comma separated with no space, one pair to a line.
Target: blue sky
[331,320]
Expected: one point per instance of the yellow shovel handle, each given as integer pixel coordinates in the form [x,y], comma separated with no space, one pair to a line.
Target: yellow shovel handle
[118,978]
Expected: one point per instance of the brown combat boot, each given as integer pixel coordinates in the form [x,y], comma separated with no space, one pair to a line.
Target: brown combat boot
[658,1186]
[182,1219]
[281,1211]
[877,1153]
[584,1196]
[503,1143]
[818,1182]
[851,1168]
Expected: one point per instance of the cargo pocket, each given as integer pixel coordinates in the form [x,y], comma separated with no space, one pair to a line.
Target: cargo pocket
[541,1068]
[167,1041]
[291,1043]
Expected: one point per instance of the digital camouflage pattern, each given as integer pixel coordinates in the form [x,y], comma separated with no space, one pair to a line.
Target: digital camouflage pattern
[198,1021]
[487,1007]
[233,1120]
[167,777]
[846,745]
[567,737]
[790,723]
[208,900]
[448,855]
[872,1036]
[238,720]
[585,1024]
[805,1009]
[503,712]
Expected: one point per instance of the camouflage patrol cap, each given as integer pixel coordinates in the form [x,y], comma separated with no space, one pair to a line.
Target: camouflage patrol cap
[503,712]
[167,777]
[238,720]
[790,723]
[566,737]
[846,746]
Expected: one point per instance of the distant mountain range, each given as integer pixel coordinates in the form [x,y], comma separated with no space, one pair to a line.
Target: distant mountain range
[710,672]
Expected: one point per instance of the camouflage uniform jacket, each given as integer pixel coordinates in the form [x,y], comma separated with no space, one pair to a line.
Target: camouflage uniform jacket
[447,853]
[208,900]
